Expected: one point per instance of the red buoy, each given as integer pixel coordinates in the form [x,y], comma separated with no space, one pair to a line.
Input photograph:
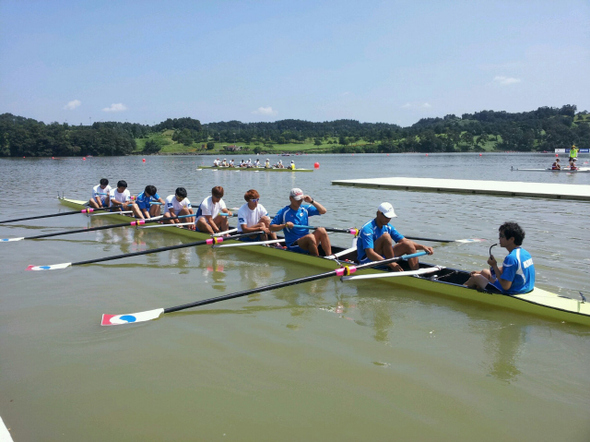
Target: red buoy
[316,165]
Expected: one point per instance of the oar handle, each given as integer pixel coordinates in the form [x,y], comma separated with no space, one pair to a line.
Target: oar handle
[342,271]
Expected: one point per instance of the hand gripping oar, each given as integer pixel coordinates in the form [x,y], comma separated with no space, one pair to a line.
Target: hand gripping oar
[414,238]
[352,231]
[87,210]
[130,318]
[138,222]
[65,265]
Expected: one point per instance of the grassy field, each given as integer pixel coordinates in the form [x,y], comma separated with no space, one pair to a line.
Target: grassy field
[170,146]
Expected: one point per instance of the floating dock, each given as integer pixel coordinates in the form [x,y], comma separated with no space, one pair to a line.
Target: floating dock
[498,188]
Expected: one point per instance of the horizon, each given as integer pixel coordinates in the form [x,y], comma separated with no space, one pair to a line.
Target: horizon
[81,62]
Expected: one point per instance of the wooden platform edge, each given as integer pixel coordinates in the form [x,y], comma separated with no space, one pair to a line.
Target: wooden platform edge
[411,188]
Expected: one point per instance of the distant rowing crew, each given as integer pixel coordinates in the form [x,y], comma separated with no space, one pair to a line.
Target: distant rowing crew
[249,164]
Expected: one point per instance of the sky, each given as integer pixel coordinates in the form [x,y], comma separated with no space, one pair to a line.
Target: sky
[80,61]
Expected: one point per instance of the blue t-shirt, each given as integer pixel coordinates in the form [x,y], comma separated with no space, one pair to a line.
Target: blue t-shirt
[143,200]
[517,267]
[299,217]
[369,233]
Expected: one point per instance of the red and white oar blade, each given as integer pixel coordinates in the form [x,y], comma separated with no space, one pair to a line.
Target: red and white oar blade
[11,239]
[471,240]
[64,265]
[131,318]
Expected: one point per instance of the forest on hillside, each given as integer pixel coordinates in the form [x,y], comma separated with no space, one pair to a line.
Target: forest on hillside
[543,129]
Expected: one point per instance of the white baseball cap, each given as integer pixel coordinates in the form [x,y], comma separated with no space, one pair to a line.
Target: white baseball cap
[297,194]
[387,210]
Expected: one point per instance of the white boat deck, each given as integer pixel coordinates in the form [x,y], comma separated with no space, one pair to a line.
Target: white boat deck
[499,188]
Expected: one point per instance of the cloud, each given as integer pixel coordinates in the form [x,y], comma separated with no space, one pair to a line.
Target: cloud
[115,107]
[417,106]
[505,81]
[269,111]
[72,104]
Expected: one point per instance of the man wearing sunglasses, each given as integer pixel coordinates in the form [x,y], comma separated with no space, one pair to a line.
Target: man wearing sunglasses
[253,217]
[517,274]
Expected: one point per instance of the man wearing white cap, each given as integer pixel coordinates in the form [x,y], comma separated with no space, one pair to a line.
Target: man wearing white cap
[379,240]
[299,239]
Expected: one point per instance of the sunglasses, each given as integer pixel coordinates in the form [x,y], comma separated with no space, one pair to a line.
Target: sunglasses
[255,200]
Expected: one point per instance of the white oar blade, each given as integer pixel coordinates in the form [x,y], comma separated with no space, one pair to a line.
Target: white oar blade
[392,274]
[470,240]
[11,239]
[65,265]
[131,318]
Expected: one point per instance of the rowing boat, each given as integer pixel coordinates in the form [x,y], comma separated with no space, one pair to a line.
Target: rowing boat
[566,169]
[440,280]
[254,169]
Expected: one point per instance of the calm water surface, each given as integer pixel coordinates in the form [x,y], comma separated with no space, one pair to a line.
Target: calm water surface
[317,361]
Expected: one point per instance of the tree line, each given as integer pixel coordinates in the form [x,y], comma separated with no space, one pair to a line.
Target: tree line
[543,129]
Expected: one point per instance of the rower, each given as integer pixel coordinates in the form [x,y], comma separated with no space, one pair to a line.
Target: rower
[377,237]
[145,202]
[292,165]
[267,164]
[120,199]
[298,239]
[253,217]
[178,205]
[556,165]
[517,274]
[100,194]
[209,218]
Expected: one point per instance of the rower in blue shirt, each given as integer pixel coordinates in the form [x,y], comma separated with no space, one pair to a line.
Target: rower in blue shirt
[299,239]
[379,240]
[517,274]
[145,201]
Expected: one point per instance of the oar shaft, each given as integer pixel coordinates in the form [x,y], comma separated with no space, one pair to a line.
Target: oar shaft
[209,241]
[352,231]
[89,210]
[337,272]
[415,238]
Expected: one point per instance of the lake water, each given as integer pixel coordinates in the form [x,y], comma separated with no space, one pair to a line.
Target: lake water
[316,361]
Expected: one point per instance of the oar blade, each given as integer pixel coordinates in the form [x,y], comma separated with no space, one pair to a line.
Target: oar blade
[470,240]
[64,265]
[11,239]
[131,318]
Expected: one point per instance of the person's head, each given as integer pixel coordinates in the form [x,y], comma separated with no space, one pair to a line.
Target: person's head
[557,160]
[296,195]
[122,185]
[180,193]
[511,230]
[217,192]
[250,195]
[104,183]
[150,190]
[385,212]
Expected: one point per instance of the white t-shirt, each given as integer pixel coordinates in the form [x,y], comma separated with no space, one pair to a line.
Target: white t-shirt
[97,191]
[208,208]
[121,197]
[250,217]
[177,206]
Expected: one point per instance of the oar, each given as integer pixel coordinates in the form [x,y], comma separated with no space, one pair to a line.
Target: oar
[415,238]
[87,210]
[253,243]
[65,265]
[394,274]
[352,231]
[137,222]
[154,314]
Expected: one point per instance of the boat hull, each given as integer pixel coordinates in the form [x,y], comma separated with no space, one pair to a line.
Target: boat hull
[444,282]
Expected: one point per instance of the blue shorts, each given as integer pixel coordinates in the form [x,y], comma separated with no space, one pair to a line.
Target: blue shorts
[257,237]
[295,248]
